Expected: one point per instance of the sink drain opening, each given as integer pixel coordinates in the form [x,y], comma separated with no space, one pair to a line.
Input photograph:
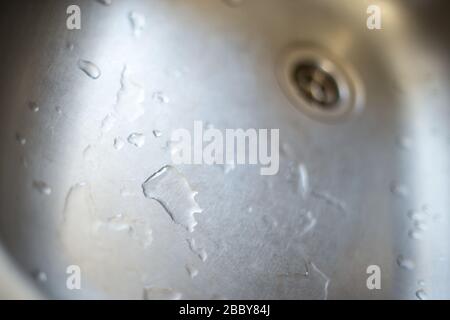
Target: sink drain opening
[318,84]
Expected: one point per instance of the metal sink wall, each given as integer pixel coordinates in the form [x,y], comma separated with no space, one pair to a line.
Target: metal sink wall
[370,189]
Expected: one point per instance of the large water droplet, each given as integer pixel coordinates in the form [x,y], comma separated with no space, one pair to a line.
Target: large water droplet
[89,68]
[171,189]
[85,230]
[136,139]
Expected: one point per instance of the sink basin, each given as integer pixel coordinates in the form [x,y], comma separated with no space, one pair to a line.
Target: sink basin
[92,205]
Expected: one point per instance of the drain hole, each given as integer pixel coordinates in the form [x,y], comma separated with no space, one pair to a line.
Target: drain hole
[316,85]
[319,84]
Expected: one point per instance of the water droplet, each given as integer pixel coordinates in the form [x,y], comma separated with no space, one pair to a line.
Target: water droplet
[417,215]
[24,162]
[404,143]
[303,180]
[152,293]
[192,271]
[130,98]
[84,229]
[171,189]
[58,110]
[416,234]
[399,189]
[89,68]
[117,223]
[157,133]
[306,274]
[33,106]
[70,46]
[119,143]
[250,209]
[325,278]
[40,276]
[308,222]
[21,139]
[136,139]
[88,152]
[421,225]
[135,228]
[421,294]
[105,2]
[137,21]
[159,97]
[405,263]
[330,200]
[42,187]
[200,252]
[421,283]
[108,123]
[124,192]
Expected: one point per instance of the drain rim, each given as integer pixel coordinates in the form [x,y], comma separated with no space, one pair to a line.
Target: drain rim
[350,90]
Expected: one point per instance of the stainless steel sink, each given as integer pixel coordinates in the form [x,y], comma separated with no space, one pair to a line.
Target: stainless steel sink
[364,149]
